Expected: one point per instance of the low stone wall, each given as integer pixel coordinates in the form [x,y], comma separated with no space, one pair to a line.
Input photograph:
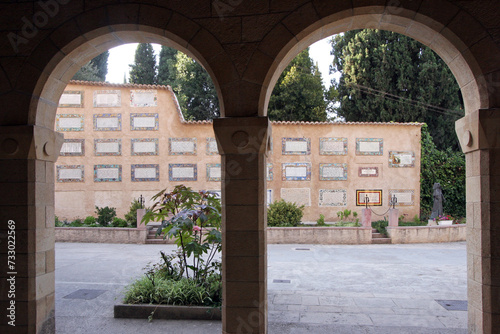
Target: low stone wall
[427,234]
[319,235]
[114,235]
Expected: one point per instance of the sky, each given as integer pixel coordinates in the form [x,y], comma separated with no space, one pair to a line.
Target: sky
[123,55]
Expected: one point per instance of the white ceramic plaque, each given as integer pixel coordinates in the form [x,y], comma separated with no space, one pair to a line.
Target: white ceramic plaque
[214,172]
[145,173]
[143,99]
[182,146]
[269,196]
[112,147]
[108,173]
[70,173]
[182,172]
[406,197]
[368,171]
[292,171]
[107,99]
[70,122]
[75,99]
[328,172]
[369,146]
[70,147]
[144,147]
[332,197]
[107,122]
[144,122]
[212,147]
[294,146]
[333,146]
[300,196]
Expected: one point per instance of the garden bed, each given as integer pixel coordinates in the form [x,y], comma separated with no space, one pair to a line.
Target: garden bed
[144,311]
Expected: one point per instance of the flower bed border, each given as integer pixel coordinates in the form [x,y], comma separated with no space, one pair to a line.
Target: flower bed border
[172,312]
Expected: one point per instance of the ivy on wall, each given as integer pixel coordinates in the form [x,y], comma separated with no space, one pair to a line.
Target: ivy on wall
[448,169]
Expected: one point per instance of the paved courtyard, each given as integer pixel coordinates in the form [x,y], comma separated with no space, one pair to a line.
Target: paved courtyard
[312,289]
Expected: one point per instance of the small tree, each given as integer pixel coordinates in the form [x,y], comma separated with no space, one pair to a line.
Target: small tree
[105,215]
[284,214]
[131,216]
[184,214]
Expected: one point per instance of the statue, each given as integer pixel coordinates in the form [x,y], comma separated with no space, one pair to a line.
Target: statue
[437,194]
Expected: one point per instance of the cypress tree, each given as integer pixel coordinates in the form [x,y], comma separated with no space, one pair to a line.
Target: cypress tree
[143,71]
[166,67]
[299,94]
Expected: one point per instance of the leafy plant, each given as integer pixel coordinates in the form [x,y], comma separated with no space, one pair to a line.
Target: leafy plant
[281,213]
[57,222]
[76,223]
[321,220]
[131,215]
[381,226]
[185,214]
[345,216]
[105,215]
[89,220]
[118,222]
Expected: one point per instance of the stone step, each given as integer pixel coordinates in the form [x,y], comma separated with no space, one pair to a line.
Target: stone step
[157,241]
[378,235]
[381,241]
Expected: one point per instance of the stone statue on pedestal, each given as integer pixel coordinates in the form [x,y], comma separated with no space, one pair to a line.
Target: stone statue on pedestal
[437,194]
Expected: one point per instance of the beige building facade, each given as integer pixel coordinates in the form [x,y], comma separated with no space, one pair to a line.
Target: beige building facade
[244,46]
[122,141]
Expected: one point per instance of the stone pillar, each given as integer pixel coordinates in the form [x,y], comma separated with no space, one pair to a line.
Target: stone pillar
[140,215]
[366,217]
[27,156]
[394,217]
[479,135]
[242,143]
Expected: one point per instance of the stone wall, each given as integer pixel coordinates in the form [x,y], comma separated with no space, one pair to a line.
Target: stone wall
[114,235]
[427,234]
[319,235]
[123,141]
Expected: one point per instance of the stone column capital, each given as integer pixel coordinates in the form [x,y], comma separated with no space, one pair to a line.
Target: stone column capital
[30,142]
[479,130]
[242,135]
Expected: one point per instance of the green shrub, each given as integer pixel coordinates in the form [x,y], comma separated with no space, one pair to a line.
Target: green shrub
[76,223]
[57,222]
[118,222]
[89,220]
[131,216]
[348,224]
[284,214]
[105,215]
[380,226]
[345,217]
[321,220]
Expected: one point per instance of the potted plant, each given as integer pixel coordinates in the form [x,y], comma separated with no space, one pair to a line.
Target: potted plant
[444,220]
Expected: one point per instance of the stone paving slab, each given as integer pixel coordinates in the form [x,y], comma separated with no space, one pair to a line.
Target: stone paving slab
[367,289]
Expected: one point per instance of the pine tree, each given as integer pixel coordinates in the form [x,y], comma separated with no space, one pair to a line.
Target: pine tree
[299,94]
[87,72]
[94,70]
[101,63]
[386,77]
[143,71]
